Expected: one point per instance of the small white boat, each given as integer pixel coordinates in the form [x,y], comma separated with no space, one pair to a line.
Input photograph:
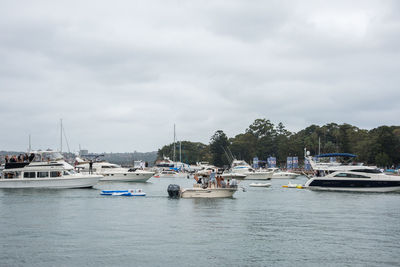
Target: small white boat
[260,184]
[290,185]
[129,192]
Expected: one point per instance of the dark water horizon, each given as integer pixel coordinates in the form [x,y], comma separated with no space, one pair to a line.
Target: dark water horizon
[260,227]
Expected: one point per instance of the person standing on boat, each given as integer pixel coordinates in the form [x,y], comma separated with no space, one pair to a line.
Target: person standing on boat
[90,167]
[212,177]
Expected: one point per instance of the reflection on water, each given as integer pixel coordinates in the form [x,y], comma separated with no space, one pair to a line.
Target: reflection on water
[263,226]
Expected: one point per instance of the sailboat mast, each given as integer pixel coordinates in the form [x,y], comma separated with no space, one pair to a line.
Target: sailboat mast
[61,135]
[30,148]
[174,144]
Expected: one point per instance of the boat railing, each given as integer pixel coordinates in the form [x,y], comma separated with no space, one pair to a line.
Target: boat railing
[15,165]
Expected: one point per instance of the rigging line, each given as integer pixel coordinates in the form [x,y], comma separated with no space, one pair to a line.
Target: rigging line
[65,136]
[226,154]
[231,153]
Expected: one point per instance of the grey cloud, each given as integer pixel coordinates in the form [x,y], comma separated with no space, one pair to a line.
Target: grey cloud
[120,76]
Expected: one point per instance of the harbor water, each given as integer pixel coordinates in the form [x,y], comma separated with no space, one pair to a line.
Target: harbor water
[272,226]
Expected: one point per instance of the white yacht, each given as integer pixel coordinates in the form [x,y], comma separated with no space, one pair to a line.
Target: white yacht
[233,175]
[170,173]
[46,170]
[242,167]
[323,168]
[278,174]
[114,172]
[361,179]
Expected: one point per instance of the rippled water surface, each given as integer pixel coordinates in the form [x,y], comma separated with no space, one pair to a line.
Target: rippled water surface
[262,226]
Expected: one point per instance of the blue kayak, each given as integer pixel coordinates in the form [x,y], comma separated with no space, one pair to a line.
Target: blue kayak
[129,192]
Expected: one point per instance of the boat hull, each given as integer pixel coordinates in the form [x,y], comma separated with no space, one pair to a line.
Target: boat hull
[58,183]
[208,193]
[353,185]
[127,177]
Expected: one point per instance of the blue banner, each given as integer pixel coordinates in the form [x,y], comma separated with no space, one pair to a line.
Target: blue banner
[255,163]
[271,162]
[295,162]
[289,163]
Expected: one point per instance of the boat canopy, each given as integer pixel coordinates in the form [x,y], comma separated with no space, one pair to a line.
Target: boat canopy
[336,155]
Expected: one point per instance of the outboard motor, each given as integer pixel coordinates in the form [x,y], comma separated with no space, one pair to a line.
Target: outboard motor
[174,191]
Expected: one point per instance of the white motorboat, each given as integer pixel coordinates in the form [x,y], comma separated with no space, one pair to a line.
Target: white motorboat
[165,163]
[199,192]
[323,168]
[114,172]
[242,167]
[278,174]
[260,184]
[203,191]
[361,180]
[233,175]
[170,174]
[52,173]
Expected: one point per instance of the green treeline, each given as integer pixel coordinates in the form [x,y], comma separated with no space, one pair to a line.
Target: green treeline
[379,146]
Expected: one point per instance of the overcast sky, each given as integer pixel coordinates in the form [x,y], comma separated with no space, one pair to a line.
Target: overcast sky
[121,73]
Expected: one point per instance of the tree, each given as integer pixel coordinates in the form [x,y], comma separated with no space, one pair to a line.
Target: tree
[261,128]
[218,145]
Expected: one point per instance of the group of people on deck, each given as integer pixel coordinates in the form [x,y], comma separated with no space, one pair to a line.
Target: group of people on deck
[20,158]
[214,181]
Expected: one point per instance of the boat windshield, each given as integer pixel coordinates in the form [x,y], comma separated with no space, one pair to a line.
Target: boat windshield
[69,172]
[368,170]
[47,156]
[236,163]
[110,166]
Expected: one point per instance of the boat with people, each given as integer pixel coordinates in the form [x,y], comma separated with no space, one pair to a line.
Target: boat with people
[113,172]
[205,187]
[45,169]
[322,167]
